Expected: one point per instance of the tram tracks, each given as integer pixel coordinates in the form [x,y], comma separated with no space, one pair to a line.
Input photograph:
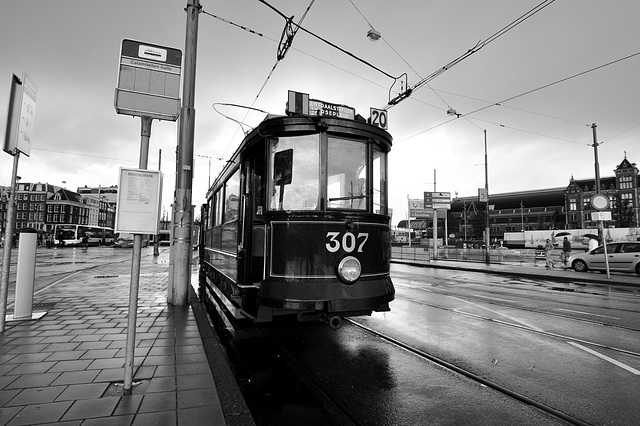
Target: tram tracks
[529,328]
[472,376]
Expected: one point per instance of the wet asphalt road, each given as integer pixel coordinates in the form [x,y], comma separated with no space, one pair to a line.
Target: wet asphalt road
[573,348]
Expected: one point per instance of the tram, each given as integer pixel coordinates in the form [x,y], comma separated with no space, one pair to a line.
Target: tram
[297,222]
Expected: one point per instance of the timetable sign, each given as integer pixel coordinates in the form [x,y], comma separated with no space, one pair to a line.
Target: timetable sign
[148,81]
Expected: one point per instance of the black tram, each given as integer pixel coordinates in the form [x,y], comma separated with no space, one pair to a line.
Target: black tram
[297,222]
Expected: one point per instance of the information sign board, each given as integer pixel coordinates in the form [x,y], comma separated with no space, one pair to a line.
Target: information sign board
[22,111]
[148,80]
[139,198]
[417,209]
[437,200]
[600,216]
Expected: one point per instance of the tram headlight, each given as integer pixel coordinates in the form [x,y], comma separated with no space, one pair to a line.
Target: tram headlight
[349,270]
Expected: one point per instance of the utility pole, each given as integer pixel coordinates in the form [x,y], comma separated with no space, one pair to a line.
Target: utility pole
[182,209]
[486,187]
[595,154]
[156,243]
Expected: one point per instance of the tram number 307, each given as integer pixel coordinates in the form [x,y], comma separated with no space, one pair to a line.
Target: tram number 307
[348,241]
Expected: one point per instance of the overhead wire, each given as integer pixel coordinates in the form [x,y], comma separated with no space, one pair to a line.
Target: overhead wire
[468,53]
[346,52]
[562,80]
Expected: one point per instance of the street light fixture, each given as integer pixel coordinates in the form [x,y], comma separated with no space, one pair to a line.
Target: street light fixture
[373,35]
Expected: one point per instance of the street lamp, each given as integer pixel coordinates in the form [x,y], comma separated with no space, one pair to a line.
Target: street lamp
[373,35]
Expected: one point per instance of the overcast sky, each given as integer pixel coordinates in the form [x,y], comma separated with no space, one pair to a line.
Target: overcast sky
[535,138]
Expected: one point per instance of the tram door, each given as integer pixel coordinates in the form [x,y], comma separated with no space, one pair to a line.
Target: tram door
[253,214]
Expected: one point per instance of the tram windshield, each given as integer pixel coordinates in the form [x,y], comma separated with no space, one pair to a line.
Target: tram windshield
[295,174]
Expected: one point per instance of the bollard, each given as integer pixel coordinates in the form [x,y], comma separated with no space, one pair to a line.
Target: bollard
[25,275]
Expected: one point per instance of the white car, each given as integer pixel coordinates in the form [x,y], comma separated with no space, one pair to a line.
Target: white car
[622,257]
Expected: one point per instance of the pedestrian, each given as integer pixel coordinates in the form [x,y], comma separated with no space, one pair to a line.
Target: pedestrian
[547,254]
[85,242]
[566,250]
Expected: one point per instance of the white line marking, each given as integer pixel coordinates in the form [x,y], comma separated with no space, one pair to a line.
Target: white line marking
[533,327]
[493,298]
[587,313]
[606,358]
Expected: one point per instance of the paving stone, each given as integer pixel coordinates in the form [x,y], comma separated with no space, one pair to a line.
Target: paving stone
[91,408]
[40,413]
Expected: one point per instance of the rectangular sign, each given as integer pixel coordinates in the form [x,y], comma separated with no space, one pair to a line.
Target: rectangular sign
[327,109]
[148,80]
[600,216]
[379,117]
[21,116]
[441,206]
[483,196]
[418,210]
[138,203]
[299,103]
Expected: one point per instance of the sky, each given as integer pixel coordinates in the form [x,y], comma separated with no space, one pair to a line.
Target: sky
[534,88]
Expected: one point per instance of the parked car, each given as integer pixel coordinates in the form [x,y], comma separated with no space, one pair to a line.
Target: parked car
[125,240]
[622,257]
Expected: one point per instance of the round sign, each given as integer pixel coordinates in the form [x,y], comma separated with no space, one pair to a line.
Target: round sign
[600,202]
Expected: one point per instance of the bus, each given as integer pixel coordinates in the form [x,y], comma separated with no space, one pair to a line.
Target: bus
[70,234]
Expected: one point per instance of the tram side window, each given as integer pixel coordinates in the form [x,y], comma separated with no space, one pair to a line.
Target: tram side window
[232,197]
[347,174]
[379,182]
[294,173]
[229,229]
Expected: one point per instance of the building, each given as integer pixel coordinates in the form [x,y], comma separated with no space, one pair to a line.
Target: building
[102,203]
[66,206]
[621,189]
[41,206]
[553,208]
[31,200]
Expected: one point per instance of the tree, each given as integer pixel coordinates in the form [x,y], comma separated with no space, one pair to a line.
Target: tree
[624,213]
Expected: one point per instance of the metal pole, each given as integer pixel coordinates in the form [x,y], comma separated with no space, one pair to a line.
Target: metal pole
[8,241]
[135,271]
[595,154]
[183,214]
[156,243]
[435,222]
[486,187]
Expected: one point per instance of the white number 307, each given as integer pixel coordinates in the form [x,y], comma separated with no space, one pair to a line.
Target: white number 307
[348,242]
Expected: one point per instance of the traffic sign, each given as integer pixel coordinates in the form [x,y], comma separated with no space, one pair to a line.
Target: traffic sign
[437,200]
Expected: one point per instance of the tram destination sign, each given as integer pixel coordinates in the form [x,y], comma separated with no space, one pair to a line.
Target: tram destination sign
[299,103]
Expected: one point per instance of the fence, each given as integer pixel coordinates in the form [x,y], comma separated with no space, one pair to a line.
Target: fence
[506,256]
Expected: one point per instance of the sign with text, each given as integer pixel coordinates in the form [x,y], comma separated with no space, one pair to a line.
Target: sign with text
[21,117]
[299,103]
[148,81]
[139,198]
[600,216]
[437,200]
[379,117]
[417,209]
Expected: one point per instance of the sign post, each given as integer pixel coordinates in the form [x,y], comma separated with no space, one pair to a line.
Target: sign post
[437,201]
[148,87]
[19,132]
[601,202]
